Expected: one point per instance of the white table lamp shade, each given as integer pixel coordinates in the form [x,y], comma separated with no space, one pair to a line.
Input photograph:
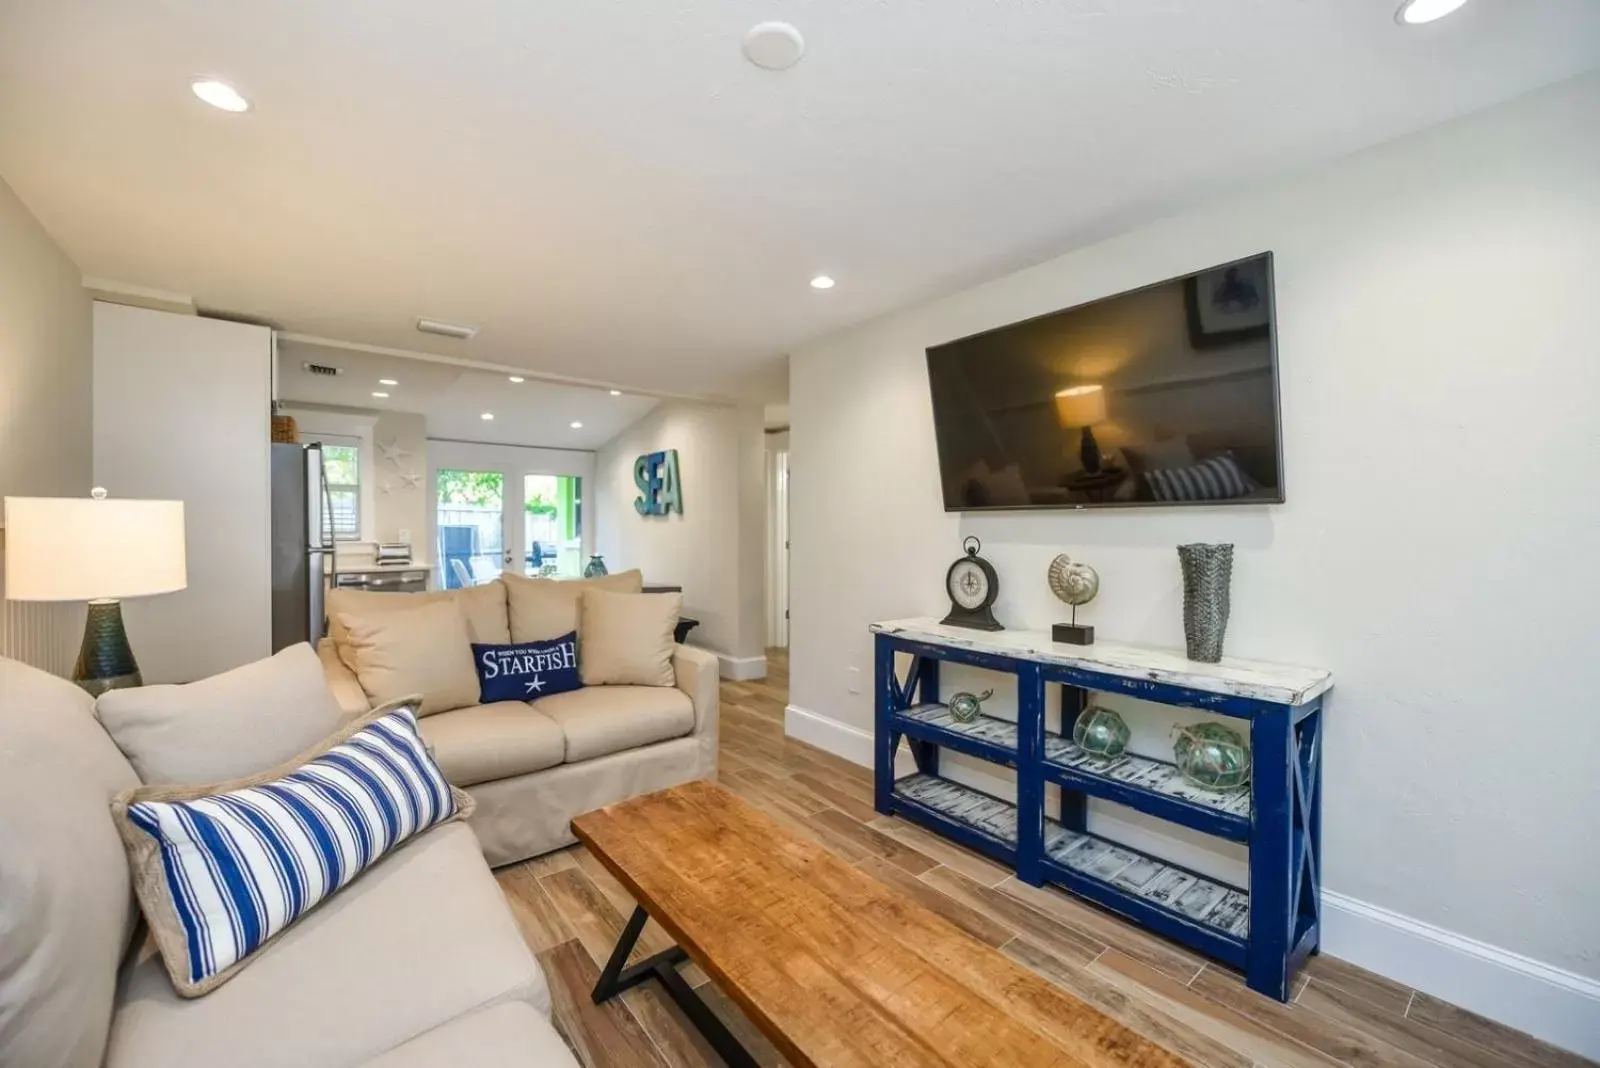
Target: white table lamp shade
[1081,406]
[81,549]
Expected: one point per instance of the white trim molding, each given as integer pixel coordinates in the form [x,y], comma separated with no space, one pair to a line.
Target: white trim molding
[1558,1006]
[741,668]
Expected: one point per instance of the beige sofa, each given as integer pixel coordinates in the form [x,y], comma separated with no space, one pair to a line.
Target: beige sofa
[417,963]
[533,766]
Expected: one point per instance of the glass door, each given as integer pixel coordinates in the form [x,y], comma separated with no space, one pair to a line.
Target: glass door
[552,525]
[471,521]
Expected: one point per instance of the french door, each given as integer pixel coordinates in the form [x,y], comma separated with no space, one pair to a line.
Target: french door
[495,510]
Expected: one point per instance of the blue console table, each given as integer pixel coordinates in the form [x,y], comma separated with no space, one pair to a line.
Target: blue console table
[1265,930]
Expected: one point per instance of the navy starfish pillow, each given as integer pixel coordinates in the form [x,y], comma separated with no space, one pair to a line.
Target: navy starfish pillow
[526,670]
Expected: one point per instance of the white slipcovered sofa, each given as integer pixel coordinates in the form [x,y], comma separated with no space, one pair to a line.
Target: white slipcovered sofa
[419,962]
[532,766]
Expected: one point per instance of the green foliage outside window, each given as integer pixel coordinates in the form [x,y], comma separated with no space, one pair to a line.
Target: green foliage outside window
[483,489]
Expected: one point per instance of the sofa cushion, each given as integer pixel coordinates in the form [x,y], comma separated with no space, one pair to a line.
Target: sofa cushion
[65,907]
[484,742]
[425,649]
[222,870]
[483,607]
[627,638]
[225,727]
[509,1035]
[597,720]
[424,937]
[541,609]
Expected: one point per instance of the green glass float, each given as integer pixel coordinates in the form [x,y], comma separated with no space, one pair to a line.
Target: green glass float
[1212,756]
[964,707]
[1101,731]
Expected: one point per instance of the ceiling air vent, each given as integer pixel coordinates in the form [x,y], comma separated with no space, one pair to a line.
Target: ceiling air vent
[325,369]
[434,326]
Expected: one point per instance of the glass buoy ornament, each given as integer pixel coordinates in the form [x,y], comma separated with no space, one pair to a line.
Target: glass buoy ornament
[1212,756]
[964,707]
[1101,731]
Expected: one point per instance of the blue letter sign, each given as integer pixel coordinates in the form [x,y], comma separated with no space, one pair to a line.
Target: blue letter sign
[656,475]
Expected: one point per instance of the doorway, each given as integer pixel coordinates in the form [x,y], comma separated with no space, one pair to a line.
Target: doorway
[505,508]
[777,540]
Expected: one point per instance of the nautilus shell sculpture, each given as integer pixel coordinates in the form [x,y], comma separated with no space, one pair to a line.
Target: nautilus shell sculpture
[1074,583]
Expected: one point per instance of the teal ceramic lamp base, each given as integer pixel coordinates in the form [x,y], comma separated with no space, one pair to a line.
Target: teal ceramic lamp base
[105,661]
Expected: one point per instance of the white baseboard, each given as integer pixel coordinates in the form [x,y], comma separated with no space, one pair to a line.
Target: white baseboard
[742,668]
[1558,1006]
[840,739]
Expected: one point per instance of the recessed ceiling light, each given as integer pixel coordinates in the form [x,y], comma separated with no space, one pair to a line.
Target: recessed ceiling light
[774,45]
[1416,12]
[388,382]
[219,94]
[575,425]
[486,416]
[822,281]
[616,393]
[518,378]
[376,393]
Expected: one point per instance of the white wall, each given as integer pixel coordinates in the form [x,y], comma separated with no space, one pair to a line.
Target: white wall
[1439,339]
[45,357]
[714,550]
[182,412]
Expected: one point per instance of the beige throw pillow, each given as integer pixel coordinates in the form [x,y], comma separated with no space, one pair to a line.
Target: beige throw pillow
[626,638]
[483,607]
[541,609]
[228,726]
[426,650]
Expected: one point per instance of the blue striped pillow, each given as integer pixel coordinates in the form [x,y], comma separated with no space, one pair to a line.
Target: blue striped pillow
[222,870]
[1219,478]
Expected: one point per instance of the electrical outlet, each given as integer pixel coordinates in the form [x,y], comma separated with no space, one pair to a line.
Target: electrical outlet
[405,535]
[852,679]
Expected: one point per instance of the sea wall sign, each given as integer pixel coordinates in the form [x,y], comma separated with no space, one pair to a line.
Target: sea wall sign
[660,491]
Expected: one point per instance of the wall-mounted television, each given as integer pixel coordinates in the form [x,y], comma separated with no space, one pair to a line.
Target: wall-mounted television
[1160,396]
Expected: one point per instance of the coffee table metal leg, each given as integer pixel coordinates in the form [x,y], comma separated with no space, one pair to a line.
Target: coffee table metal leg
[618,976]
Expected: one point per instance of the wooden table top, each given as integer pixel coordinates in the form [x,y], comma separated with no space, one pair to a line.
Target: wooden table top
[836,968]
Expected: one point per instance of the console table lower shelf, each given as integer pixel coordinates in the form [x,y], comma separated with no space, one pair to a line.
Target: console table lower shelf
[1203,912]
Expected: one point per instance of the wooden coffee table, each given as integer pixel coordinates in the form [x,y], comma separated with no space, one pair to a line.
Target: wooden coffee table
[833,966]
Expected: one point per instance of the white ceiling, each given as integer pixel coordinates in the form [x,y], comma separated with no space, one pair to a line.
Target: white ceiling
[453,399]
[611,192]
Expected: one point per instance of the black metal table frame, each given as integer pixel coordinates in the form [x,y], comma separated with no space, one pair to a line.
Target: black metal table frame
[619,976]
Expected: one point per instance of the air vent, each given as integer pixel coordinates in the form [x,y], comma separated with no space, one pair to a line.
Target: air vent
[434,326]
[325,369]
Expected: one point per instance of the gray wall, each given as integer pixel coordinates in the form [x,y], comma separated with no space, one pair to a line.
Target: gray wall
[45,359]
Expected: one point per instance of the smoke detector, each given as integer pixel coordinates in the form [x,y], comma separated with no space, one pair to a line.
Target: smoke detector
[327,370]
[774,45]
[434,326]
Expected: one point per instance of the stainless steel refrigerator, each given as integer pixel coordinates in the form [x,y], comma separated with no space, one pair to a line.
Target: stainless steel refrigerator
[302,544]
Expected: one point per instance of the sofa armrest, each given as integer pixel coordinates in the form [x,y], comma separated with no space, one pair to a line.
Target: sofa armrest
[695,672]
[342,681]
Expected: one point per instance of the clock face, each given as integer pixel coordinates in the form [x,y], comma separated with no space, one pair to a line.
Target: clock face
[968,584]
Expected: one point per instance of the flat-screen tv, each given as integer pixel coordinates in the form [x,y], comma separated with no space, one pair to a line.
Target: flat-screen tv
[1161,396]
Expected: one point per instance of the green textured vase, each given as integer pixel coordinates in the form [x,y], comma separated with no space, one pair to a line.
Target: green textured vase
[105,660]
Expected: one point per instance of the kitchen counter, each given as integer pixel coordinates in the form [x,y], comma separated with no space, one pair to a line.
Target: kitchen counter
[347,568]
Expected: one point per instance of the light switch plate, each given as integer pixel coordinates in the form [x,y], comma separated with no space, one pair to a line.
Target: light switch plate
[852,679]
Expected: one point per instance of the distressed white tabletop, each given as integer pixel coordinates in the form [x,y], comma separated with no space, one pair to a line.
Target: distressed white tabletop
[1283,684]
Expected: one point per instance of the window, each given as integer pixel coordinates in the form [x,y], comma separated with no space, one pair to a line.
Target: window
[341,467]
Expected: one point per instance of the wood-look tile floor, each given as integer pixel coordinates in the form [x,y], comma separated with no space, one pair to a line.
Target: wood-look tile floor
[571,912]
